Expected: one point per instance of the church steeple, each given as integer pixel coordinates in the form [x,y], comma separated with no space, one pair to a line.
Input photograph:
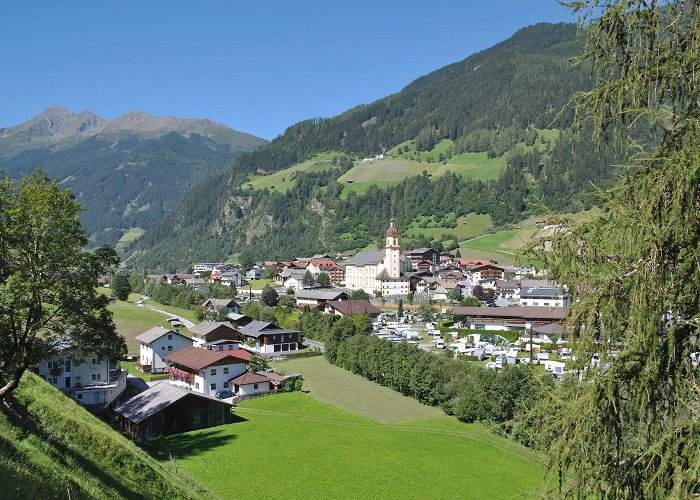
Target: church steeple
[392,257]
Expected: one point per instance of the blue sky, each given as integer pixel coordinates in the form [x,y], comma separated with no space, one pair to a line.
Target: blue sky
[256,66]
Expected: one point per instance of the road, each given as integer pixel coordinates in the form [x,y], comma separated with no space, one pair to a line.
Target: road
[184,321]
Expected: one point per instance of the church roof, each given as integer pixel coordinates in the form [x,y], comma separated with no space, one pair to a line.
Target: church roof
[392,231]
[369,258]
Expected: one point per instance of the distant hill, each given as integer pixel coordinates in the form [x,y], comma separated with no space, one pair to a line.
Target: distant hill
[50,447]
[495,117]
[127,172]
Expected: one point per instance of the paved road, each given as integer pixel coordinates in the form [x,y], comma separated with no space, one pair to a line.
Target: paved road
[184,321]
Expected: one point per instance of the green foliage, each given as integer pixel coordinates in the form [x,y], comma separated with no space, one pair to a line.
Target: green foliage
[628,428]
[121,286]
[471,301]
[269,296]
[48,292]
[323,279]
[359,295]
[308,279]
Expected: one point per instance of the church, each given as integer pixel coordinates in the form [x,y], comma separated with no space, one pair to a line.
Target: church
[380,272]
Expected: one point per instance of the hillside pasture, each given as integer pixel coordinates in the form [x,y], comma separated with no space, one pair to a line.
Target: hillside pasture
[283,180]
[468,226]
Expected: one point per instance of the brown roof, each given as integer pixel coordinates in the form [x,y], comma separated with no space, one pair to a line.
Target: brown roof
[198,358]
[544,313]
[249,378]
[350,307]
[207,327]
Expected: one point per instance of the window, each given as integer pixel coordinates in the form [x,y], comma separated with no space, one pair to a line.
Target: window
[212,387]
[170,348]
[67,367]
[255,386]
[53,365]
[225,370]
[96,377]
[213,371]
[162,348]
[93,361]
[225,385]
[170,337]
[80,395]
[196,385]
[53,380]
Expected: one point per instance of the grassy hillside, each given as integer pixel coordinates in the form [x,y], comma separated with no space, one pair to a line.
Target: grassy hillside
[50,447]
[294,446]
[283,180]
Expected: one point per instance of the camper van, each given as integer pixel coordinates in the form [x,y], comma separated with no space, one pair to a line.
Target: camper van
[440,343]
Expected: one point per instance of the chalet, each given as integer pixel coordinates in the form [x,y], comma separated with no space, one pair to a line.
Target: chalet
[155,344]
[507,318]
[228,278]
[318,266]
[447,258]
[209,331]
[204,267]
[507,289]
[485,272]
[229,305]
[469,263]
[351,307]
[261,382]
[420,254]
[291,278]
[255,273]
[337,274]
[204,370]
[195,283]
[165,409]
[89,380]
[424,265]
[451,276]
[313,298]
[270,338]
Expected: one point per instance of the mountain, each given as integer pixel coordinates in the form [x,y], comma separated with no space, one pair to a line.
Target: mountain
[503,108]
[498,118]
[127,172]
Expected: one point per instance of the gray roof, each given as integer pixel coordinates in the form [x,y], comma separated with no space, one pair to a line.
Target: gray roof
[550,329]
[371,258]
[320,294]
[208,327]
[154,334]
[151,401]
[542,292]
[258,328]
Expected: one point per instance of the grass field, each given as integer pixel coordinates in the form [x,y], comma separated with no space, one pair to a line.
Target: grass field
[131,235]
[359,396]
[468,226]
[294,446]
[501,246]
[283,180]
[257,285]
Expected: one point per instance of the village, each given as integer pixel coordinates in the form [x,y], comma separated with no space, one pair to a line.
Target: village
[476,309]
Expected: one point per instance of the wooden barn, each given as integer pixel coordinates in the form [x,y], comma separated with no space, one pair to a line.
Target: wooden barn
[169,409]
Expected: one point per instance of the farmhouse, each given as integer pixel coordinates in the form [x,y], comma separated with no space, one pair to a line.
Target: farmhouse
[269,338]
[209,331]
[485,272]
[169,409]
[155,344]
[215,304]
[204,370]
[423,254]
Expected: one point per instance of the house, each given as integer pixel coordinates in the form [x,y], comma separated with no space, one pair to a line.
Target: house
[313,298]
[165,409]
[155,344]
[204,267]
[447,258]
[195,283]
[204,370]
[251,383]
[318,266]
[291,278]
[506,318]
[485,272]
[469,263]
[209,331]
[423,254]
[229,305]
[228,278]
[337,274]
[543,297]
[269,338]
[351,307]
[91,381]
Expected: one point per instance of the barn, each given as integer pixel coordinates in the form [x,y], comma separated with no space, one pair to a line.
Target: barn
[169,409]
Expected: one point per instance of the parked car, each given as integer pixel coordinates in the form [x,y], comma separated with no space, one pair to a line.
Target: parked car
[223,394]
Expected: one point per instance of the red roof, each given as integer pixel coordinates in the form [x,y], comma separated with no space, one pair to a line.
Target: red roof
[198,358]
[323,262]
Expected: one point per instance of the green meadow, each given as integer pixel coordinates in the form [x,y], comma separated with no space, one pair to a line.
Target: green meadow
[349,438]
[283,180]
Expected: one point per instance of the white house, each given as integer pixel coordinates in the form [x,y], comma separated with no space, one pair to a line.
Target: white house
[92,381]
[229,304]
[155,344]
[313,298]
[270,338]
[543,297]
[250,383]
[204,370]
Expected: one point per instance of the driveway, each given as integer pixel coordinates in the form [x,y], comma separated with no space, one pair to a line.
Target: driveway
[184,321]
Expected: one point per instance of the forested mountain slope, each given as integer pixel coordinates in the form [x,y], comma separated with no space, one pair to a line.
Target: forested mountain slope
[128,172]
[502,102]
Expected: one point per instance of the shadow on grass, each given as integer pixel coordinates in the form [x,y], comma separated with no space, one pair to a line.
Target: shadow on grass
[191,444]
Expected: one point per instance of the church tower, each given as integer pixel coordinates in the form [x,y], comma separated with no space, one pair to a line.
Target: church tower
[392,258]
